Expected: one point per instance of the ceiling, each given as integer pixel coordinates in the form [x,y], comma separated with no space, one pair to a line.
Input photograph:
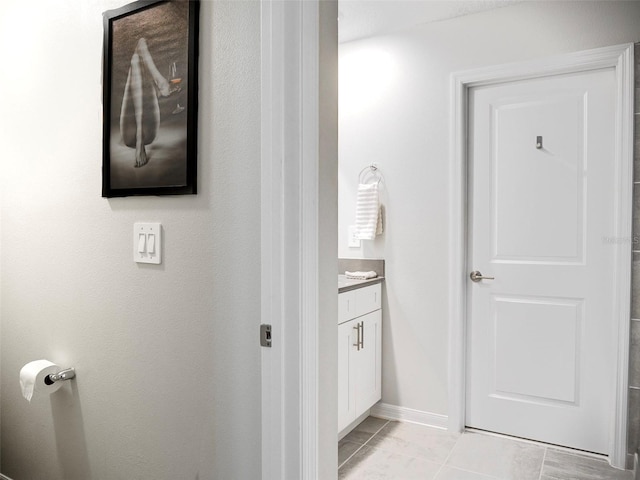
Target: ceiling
[366,18]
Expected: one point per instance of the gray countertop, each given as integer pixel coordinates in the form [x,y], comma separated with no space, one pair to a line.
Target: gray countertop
[346,284]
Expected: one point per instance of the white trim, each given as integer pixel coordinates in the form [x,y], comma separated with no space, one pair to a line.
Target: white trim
[623,229]
[4,477]
[310,158]
[409,415]
[289,233]
[273,451]
[619,57]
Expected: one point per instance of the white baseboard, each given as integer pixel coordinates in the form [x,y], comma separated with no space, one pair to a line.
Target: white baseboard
[4,477]
[403,414]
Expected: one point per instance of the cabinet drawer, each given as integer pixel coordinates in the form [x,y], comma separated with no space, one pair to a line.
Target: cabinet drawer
[368,299]
[346,306]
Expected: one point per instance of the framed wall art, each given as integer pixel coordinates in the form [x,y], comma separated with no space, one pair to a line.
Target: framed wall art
[150,98]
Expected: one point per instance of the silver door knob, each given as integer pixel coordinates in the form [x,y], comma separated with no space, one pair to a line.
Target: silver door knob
[476,276]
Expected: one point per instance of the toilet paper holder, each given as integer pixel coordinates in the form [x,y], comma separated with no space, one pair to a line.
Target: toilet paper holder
[66,374]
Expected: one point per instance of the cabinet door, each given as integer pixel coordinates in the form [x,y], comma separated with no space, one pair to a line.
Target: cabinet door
[347,337]
[369,365]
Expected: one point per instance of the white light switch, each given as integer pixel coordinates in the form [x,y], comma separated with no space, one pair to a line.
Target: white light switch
[147,242]
[151,243]
[141,243]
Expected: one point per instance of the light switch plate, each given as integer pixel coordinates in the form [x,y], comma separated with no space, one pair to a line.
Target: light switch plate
[147,243]
[354,241]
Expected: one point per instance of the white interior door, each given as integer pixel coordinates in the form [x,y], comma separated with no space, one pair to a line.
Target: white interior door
[540,341]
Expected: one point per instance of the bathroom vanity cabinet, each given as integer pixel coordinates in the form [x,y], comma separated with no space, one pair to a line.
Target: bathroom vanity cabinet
[359,352]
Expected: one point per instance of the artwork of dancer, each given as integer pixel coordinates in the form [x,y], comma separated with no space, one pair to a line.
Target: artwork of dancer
[149,99]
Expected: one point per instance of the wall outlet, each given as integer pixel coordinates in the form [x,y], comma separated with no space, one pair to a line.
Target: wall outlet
[354,241]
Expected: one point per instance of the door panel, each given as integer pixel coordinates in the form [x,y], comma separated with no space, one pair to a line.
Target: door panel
[536,344]
[545,186]
[540,355]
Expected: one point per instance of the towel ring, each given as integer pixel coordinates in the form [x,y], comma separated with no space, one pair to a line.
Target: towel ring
[369,170]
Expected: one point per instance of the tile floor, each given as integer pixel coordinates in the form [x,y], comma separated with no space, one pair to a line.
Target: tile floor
[379,450]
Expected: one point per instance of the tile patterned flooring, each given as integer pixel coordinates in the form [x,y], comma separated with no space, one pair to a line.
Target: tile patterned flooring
[385,450]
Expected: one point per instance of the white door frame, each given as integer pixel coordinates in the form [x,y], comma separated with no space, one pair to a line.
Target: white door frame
[288,395]
[619,57]
[293,257]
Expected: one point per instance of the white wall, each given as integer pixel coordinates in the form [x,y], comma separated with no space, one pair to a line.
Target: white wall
[394,111]
[168,365]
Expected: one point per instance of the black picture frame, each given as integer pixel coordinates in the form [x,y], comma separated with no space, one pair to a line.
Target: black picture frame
[150,98]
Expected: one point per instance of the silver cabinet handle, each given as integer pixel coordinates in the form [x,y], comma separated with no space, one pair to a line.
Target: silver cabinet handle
[357,344]
[362,334]
[476,276]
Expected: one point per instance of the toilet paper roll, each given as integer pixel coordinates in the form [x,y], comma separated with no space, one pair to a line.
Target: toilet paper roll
[33,375]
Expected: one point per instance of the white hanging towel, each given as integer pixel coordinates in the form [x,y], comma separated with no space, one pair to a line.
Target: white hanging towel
[368,212]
